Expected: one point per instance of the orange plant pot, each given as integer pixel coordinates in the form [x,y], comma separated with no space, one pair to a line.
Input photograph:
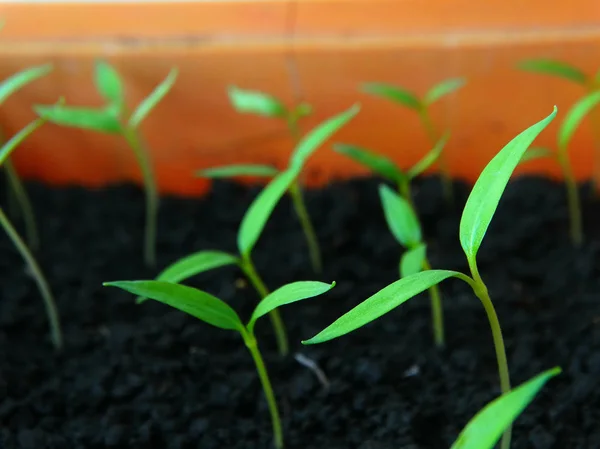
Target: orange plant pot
[320,50]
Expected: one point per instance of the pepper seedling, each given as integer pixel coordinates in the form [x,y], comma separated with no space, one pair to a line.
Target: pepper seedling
[265,105]
[7,87]
[476,217]
[406,98]
[113,118]
[254,221]
[566,131]
[216,312]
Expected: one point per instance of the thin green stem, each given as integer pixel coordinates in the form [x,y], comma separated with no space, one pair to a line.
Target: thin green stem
[249,270]
[405,192]
[252,346]
[307,226]
[595,122]
[55,330]
[572,198]
[437,311]
[151,194]
[21,197]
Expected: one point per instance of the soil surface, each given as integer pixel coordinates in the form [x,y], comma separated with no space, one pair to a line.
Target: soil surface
[148,376]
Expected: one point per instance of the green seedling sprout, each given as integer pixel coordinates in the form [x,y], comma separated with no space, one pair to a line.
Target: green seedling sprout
[404,97]
[484,430]
[265,105]
[476,217]
[590,83]
[114,118]
[254,222]
[214,311]
[566,131]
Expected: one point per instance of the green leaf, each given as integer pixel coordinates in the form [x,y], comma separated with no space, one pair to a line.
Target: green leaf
[554,68]
[14,82]
[192,265]
[489,187]
[375,162]
[442,89]
[412,260]
[316,137]
[301,111]
[230,171]
[393,93]
[109,84]
[296,291]
[574,117]
[487,426]
[260,210]
[102,120]
[400,217]
[197,303]
[150,102]
[255,102]
[536,153]
[430,157]
[381,303]
[18,138]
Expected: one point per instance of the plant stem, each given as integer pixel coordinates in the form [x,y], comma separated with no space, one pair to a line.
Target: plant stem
[595,122]
[572,198]
[55,330]
[20,195]
[151,194]
[252,346]
[309,231]
[280,333]
[405,192]
[437,311]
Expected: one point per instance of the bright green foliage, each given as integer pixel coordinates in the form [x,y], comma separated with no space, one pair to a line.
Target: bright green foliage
[486,427]
[374,162]
[574,117]
[396,94]
[554,68]
[15,82]
[109,84]
[536,153]
[230,171]
[148,104]
[103,120]
[400,217]
[256,102]
[413,259]
[442,89]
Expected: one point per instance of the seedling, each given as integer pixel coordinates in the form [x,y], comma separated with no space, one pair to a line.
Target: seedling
[214,311]
[113,118]
[404,225]
[7,87]
[404,97]
[259,103]
[254,222]
[566,131]
[484,430]
[476,217]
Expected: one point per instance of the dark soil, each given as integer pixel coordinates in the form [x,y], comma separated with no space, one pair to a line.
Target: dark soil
[149,376]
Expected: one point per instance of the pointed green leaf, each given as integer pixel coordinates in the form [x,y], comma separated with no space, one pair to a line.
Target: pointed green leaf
[487,426]
[260,210]
[16,140]
[101,120]
[193,265]
[296,291]
[197,303]
[14,82]
[150,102]
[317,136]
[430,158]
[109,84]
[256,102]
[489,187]
[574,117]
[393,93]
[412,260]
[230,171]
[400,217]
[536,153]
[378,164]
[442,89]
[381,303]
[554,68]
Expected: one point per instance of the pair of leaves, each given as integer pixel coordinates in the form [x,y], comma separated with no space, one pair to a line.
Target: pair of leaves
[259,103]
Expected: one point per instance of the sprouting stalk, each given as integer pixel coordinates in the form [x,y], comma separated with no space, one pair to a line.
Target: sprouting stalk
[20,196]
[573,200]
[309,232]
[55,329]
[437,311]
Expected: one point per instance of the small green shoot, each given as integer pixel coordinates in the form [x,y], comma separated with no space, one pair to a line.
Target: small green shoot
[113,118]
[215,312]
[476,217]
[421,106]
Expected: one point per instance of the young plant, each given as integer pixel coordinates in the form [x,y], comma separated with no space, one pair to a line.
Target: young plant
[214,311]
[114,118]
[404,97]
[476,217]
[254,222]
[7,87]
[404,225]
[259,103]
[484,430]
